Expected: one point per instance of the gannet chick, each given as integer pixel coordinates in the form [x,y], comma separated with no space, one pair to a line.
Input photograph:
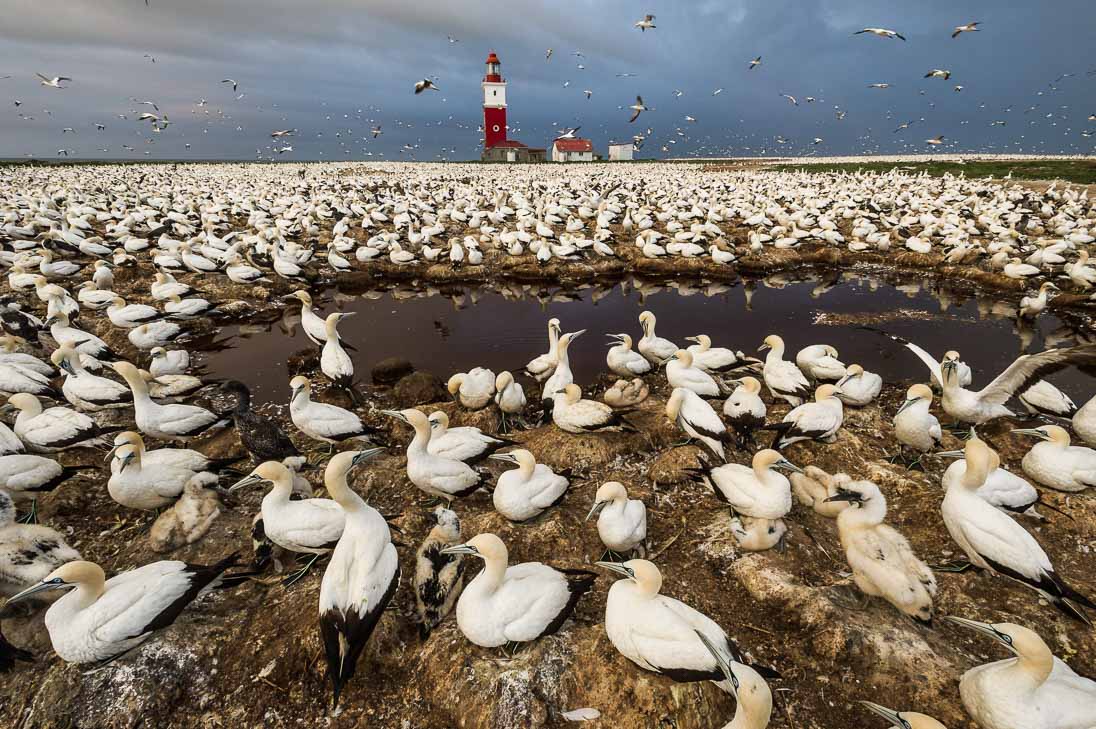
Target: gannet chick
[439,578]
[621,522]
[305,526]
[1043,398]
[625,394]
[360,579]
[745,409]
[1055,463]
[751,692]
[783,378]
[858,388]
[659,633]
[100,619]
[529,490]
[656,349]
[991,540]
[623,360]
[819,420]
[1084,422]
[814,487]
[820,362]
[753,534]
[914,426]
[510,399]
[882,563]
[28,552]
[260,436]
[572,414]
[697,418]
[757,491]
[682,372]
[1034,690]
[52,429]
[716,359]
[474,389]
[904,719]
[335,363]
[507,605]
[445,478]
[172,421]
[189,518]
[323,421]
[467,444]
[542,367]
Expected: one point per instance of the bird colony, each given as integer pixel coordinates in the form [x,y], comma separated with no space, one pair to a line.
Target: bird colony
[705,532]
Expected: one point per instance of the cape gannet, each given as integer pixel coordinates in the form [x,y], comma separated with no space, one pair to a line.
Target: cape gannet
[655,348]
[783,378]
[53,429]
[542,367]
[171,421]
[467,444]
[757,490]
[529,490]
[572,414]
[473,389]
[438,476]
[1055,463]
[696,417]
[745,409]
[623,360]
[323,421]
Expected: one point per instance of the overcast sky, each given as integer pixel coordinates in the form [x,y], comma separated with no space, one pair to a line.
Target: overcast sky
[333,69]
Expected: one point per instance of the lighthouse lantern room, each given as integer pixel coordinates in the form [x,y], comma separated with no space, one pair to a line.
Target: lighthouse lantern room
[494,103]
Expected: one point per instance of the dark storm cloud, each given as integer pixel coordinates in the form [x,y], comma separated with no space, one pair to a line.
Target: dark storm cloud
[337,67]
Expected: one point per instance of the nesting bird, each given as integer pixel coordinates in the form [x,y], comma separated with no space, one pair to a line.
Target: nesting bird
[439,578]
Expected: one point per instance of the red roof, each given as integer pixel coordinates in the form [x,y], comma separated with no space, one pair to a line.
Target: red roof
[492,58]
[508,143]
[574,145]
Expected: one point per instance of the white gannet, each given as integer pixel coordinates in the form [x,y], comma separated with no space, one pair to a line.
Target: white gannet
[467,444]
[473,389]
[882,562]
[621,522]
[783,378]
[164,362]
[83,342]
[439,578]
[1043,398]
[745,409]
[572,414]
[562,376]
[992,540]
[659,633]
[445,478]
[1002,488]
[1055,463]
[85,390]
[514,604]
[820,362]
[1032,306]
[314,325]
[914,426]
[1084,422]
[335,363]
[903,719]
[322,421]
[623,360]
[858,388]
[28,552]
[360,579]
[130,316]
[819,420]
[302,526]
[155,334]
[1034,690]
[100,619]
[716,359]
[751,692]
[541,368]
[26,475]
[510,399]
[682,372]
[51,429]
[529,490]
[697,418]
[989,402]
[137,485]
[655,348]
[184,458]
[757,490]
[171,421]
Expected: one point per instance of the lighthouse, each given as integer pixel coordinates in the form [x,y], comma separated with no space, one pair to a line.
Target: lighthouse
[494,103]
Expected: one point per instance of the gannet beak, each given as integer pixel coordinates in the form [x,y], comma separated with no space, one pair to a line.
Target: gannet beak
[721,661]
[110,453]
[617,567]
[365,455]
[461,549]
[345,314]
[889,714]
[950,454]
[842,495]
[506,457]
[669,359]
[843,380]
[906,404]
[67,367]
[126,461]
[786,464]
[984,629]
[576,335]
[248,480]
[394,414]
[692,339]
[763,347]
[50,322]
[55,584]
[598,506]
[8,408]
[1033,432]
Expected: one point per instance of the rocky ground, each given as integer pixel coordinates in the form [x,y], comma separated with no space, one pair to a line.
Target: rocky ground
[252,655]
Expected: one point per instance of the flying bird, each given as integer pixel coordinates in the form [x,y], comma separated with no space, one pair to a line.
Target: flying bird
[791,98]
[588,93]
[568,133]
[376,131]
[53,83]
[548,55]
[754,63]
[282,133]
[647,22]
[882,33]
[637,108]
[935,140]
[938,73]
[424,85]
[968,28]
[878,86]
[718,91]
[229,81]
[451,39]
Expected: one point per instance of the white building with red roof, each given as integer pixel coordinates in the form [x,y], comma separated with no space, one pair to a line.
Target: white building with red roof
[573,150]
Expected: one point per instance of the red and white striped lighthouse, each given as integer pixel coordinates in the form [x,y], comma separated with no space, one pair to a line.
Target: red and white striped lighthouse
[494,103]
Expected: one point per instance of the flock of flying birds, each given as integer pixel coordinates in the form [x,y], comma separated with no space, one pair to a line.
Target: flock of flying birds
[688,135]
[64,233]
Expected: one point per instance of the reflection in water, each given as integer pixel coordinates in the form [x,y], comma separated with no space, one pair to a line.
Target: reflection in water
[502,327]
